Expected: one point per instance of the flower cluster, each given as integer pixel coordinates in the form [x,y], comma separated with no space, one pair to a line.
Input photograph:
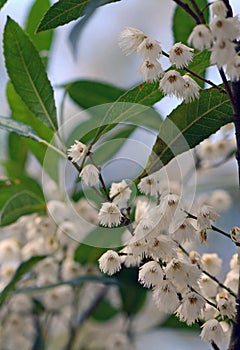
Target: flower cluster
[180,55]
[220,38]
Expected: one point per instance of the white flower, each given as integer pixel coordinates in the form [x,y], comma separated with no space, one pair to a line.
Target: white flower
[110,262]
[234,264]
[191,89]
[77,151]
[169,206]
[190,308]
[141,209]
[223,51]
[205,216]
[149,49]
[207,150]
[201,37]
[109,215]
[149,185]
[226,305]
[48,266]
[225,28]
[212,332]
[208,286]
[180,55]
[150,70]
[165,296]
[220,200]
[90,175]
[185,232]
[118,341]
[129,39]
[232,280]
[123,191]
[150,274]
[233,68]
[211,263]
[128,258]
[182,273]
[161,247]
[139,248]
[144,227]
[218,8]
[9,250]
[172,83]
[70,269]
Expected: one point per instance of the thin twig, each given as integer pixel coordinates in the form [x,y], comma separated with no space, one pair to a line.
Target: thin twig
[188,10]
[198,11]
[228,89]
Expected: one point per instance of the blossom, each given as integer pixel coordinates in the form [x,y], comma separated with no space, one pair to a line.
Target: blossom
[9,250]
[149,49]
[218,8]
[58,297]
[190,308]
[161,247]
[225,28]
[211,263]
[90,175]
[208,286]
[181,273]
[180,55]
[226,305]
[220,200]
[165,296]
[223,51]
[149,185]
[234,264]
[123,193]
[150,274]
[110,262]
[77,151]
[172,83]
[205,216]
[233,68]
[212,332]
[150,70]
[185,232]
[129,39]
[109,215]
[191,89]
[201,37]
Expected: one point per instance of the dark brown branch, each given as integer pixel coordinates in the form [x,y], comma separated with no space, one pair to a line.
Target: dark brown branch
[198,11]
[187,9]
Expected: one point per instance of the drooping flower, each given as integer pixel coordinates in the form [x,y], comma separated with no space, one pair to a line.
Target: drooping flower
[212,332]
[205,216]
[191,89]
[77,151]
[233,68]
[218,8]
[180,55]
[225,28]
[109,215]
[190,308]
[149,185]
[110,262]
[150,274]
[223,51]
[150,70]
[149,49]
[185,232]
[90,175]
[201,37]
[172,83]
[123,193]
[129,39]
[165,296]
[211,263]
[226,305]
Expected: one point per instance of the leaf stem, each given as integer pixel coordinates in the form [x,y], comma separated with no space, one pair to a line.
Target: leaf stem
[198,11]
[188,10]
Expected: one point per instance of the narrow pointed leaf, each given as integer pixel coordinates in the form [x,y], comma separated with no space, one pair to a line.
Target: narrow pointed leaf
[27,73]
[87,93]
[188,125]
[24,268]
[42,41]
[65,11]
[2,3]
[17,127]
[22,203]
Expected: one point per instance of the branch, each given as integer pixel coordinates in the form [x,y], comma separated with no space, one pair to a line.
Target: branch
[187,9]
[198,11]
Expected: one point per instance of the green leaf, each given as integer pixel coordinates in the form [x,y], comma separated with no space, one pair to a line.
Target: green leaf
[17,150]
[65,11]
[24,268]
[27,74]
[42,41]
[22,203]
[18,128]
[183,24]
[87,93]
[2,3]
[104,311]
[188,125]
[132,294]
